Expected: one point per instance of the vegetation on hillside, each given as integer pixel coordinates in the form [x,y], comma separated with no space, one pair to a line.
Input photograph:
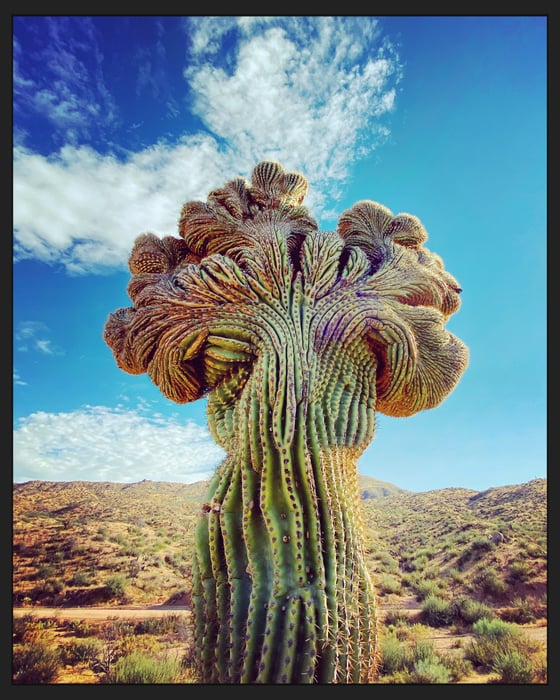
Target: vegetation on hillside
[452,560]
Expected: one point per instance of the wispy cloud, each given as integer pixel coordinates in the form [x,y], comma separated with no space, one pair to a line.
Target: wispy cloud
[33,336]
[62,82]
[18,381]
[97,443]
[310,92]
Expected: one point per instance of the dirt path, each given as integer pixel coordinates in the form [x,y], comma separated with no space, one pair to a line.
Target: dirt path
[443,638]
[102,614]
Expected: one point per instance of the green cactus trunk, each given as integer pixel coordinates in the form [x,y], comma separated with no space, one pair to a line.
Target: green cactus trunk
[281,589]
[297,337]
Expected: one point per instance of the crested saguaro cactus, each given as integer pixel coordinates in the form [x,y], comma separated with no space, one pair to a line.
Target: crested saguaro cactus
[297,337]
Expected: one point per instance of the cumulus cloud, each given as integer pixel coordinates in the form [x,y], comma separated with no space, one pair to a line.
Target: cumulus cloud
[310,92]
[107,203]
[97,443]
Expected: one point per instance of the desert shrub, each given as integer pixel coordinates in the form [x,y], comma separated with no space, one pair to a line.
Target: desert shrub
[119,538]
[49,587]
[425,588]
[26,628]
[81,578]
[388,584]
[147,644]
[481,544]
[457,665]
[138,667]
[495,639]
[116,628]
[167,624]
[466,610]
[116,585]
[491,583]
[420,562]
[387,563]
[402,648]
[494,628]
[436,612]
[395,656]
[82,650]
[80,628]
[45,571]
[513,667]
[519,572]
[429,671]
[455,576]
[36,662]
[536,551]
[521,611]
[396,618]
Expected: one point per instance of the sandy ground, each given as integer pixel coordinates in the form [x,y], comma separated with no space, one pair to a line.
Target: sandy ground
[102,614]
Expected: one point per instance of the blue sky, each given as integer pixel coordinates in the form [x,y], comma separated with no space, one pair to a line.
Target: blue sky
[118,121]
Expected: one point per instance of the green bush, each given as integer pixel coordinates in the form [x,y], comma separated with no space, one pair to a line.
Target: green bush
[399,659]
[388,584]
[37,662]
[458,666]
[397,618]
[519,572]
[80,628]
[387,563]
[467,611]
[137,667]
[116,585]
[81,578]
[513,667]
[429,671]
[395,656]
[167,624]
[491,583]
[495,639]
[482,544]
[522,611]
[45,571]
[50,587]
[436,612]
[494,628]
[82,650]
[426,588]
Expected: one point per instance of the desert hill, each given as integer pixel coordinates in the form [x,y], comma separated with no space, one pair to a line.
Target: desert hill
[86,543]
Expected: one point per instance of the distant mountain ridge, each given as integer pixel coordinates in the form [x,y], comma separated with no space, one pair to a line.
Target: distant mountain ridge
[370,487]
[374,488]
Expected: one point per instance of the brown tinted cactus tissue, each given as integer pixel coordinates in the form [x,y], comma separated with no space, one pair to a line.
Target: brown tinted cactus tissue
[296,337]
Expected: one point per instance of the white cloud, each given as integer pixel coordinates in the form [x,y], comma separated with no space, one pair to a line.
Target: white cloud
[97,443]
[18,381]
[33,335]
[63,82]
[308,92]
[107,203]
